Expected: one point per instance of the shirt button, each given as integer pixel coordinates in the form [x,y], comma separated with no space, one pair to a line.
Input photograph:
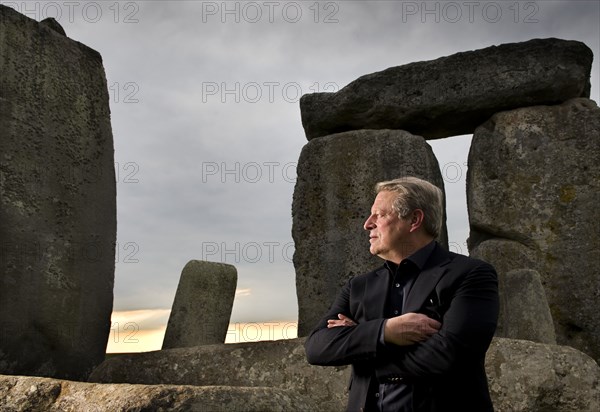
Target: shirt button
[396,312]
[377,395]
[397,285]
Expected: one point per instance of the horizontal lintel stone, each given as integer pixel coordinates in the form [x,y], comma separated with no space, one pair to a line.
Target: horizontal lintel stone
[453,95]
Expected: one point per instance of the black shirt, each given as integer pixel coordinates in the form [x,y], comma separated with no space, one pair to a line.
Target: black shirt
[397,397]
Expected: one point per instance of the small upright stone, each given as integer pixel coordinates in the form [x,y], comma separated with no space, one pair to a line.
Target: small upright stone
[525,299]
[524,310]
[506,255]
[202,306]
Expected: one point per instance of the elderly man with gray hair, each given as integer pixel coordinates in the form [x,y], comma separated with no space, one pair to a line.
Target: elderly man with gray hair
[415,330]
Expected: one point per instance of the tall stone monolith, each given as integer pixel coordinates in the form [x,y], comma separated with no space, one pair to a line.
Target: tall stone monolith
[534,183]
[58,202]
[332,199]
[202,305]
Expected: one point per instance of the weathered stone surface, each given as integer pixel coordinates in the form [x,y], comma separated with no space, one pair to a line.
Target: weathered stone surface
[58,203]
[524,377]
[332,200]
[525,301]
[54,25]
[507,256]
[276,364]
[32,394]
[504,254]
[454,94]
[202,306]
[534,178]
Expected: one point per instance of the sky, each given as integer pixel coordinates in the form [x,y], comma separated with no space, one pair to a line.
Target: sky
[205,114]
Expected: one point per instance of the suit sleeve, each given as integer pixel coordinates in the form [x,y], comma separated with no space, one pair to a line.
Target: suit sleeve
[468,326]
[343,345]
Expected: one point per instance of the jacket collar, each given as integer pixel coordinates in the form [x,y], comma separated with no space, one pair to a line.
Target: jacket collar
[428,278]
[377,286]
[376,293]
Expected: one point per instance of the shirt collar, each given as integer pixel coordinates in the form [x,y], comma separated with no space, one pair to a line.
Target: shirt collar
[419,258]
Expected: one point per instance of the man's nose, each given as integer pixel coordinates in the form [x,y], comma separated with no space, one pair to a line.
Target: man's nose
[369,223]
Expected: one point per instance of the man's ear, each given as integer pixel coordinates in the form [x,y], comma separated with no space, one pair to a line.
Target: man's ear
[416,219]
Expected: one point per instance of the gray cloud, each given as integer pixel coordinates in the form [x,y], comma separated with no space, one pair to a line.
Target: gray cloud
[183,139]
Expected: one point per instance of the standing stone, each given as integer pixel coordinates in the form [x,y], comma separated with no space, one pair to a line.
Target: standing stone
[505,256]
[525,300]
[524,310]
[332,199]
[455,94]
[202,306]
[58,202]
[534,178]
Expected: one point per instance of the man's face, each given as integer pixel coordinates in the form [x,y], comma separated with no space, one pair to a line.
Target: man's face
[387,232]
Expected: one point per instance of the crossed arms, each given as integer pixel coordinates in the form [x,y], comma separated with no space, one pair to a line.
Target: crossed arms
[415,346]
[400,330]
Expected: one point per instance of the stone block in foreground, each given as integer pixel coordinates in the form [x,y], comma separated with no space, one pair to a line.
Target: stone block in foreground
[33,394]
[524,376]
[276,364]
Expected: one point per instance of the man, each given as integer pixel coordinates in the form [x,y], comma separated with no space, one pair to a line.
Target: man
[416,330]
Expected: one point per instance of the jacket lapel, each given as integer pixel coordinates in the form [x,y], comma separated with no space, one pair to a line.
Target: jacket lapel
[375,294]
[427,280]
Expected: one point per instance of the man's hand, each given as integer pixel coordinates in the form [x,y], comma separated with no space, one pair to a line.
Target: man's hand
[409,329]
[341,321]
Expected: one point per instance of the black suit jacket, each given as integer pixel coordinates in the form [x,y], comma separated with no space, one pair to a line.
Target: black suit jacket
[447,370]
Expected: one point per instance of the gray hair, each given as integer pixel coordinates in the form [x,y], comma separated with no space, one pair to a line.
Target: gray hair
[414,193]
